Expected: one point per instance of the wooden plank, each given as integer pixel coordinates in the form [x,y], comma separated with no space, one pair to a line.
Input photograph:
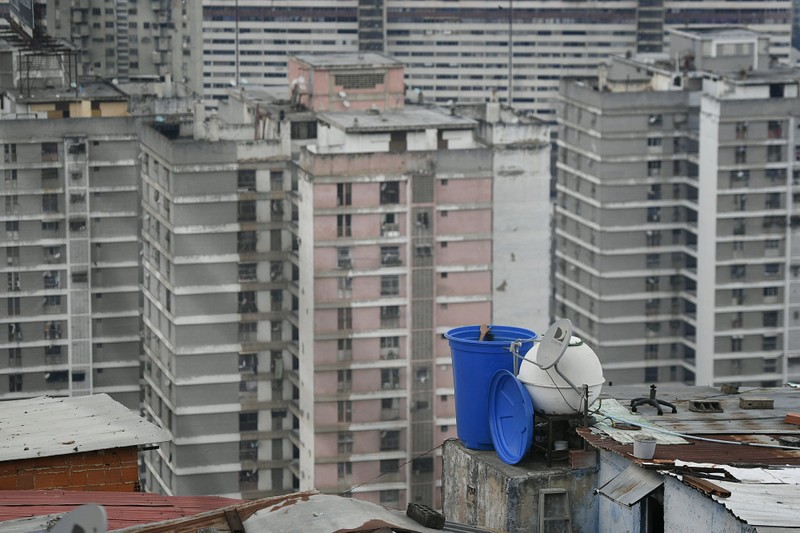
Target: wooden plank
[706,486]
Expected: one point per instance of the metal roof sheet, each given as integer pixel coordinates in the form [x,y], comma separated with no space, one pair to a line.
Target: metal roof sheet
[323,513]
[631,485]
[31,508]
[45,426]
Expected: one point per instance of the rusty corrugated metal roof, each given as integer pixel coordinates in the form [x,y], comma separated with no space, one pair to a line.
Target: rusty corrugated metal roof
[762,426]
[124,509]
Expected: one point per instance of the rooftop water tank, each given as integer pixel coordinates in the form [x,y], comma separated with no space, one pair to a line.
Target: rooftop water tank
[551,393]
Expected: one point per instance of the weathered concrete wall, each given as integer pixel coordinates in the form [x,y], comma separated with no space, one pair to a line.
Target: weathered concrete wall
[478,489]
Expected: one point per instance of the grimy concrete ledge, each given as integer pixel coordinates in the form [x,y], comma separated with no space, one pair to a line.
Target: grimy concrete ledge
[479,489]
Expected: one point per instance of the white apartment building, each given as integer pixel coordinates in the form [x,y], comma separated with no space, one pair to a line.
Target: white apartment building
[676,238]
[453,50]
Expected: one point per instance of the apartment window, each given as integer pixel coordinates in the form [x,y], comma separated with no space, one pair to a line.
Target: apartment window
[248,450]
[344,380]
[11,178]
[344,194]
[345,287]
[775,129]
[655,120]
[738,320]
[738,271]
[740,154]
[653,238]
[389,466]
[248,421]
[390,316]
[739,226]
[246,241]
[736,344]
[345,411]
[52,301]
[49,151]
[740,202]
[737,296]
[773,200]
[390,256]
[390,285]
[248,363]
[389,498]
[344,317]
[651,352]
[769,342]
[343,225]
[654,214]
[770,293]
[390,440]
[772,270]
[343,257]
[15,357]
[248,272]
[344,471]
[774,154]
[652,283]
[247,302]
[15,383]
[654,168]
[397,141]
[654,141]
[776,175]
[59,376]
[344,349]
[655,192]
[770,319]
[247,211]
[50,203]
[390,347]
[345,442]
[246,180]
[739,178]
[772,246]
[248,331]
[741,130]
[248,480]
[390,192]
[390,378]
[652,260]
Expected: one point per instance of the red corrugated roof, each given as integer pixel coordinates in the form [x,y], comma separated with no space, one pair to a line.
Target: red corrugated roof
[124,509]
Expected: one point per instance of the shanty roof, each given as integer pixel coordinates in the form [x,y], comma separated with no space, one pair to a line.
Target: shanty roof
[29,510]
[736,425]
[44,427]
[310,512]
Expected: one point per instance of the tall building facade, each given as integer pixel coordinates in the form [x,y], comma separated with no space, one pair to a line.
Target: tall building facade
[127,39]
[69,248]
[303,256]
[676,246]
[453,50]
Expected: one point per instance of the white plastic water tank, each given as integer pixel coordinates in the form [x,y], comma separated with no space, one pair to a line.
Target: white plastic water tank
[551,394]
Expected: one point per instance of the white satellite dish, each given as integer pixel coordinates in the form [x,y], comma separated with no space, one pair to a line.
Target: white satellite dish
[232,82]
[342,94]
[90,518]
[346,104]
[554,344]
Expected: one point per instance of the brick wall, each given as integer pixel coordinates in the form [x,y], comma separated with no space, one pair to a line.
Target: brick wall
[108,470]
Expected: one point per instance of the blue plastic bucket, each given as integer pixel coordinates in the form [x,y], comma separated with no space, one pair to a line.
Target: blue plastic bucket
[474,364]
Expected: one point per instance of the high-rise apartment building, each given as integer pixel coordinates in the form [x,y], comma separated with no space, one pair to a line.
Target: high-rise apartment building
[69,247]
[303,255]
[453,50]
[141,39]
[675,226]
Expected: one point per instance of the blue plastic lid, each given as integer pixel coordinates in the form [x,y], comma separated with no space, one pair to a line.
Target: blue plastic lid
[510,417]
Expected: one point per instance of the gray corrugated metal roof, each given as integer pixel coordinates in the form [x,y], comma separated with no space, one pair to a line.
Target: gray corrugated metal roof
[631,485]
[44,427]
[322,513]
